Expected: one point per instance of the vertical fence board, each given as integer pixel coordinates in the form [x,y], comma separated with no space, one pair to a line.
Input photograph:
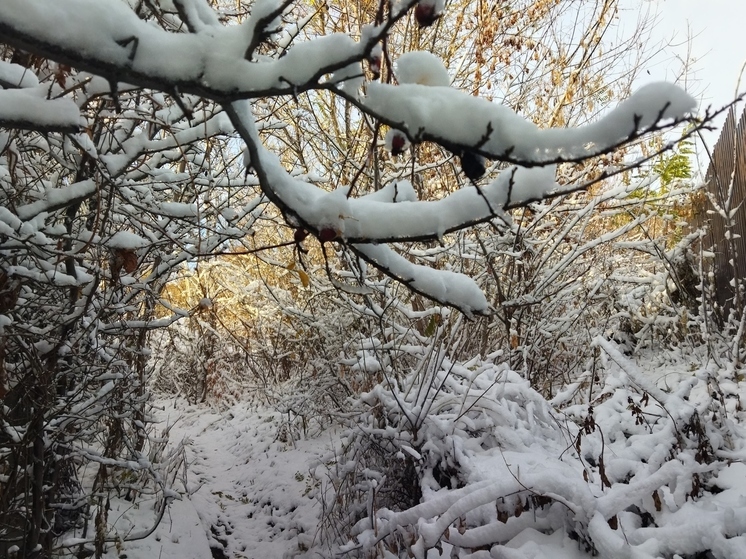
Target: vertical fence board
[726,176]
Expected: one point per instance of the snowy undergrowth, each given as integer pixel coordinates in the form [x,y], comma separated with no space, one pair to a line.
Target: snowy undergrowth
[645,463]
[243,493]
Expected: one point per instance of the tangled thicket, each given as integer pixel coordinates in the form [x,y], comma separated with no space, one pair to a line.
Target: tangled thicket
[197,232]
[477,463]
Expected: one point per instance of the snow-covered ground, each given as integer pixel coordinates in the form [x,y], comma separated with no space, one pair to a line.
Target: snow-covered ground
[653,468]
[246,495]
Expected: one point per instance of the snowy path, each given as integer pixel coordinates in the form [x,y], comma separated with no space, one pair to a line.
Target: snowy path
[249,493]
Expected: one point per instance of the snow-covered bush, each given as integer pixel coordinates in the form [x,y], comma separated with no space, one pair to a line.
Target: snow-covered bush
[475,463]
[94,222]
[140,138]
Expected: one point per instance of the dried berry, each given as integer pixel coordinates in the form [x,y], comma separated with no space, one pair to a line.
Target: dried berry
[300,235]
[374,63]
[398,144]
[327,234]
[473,165]
[425,14]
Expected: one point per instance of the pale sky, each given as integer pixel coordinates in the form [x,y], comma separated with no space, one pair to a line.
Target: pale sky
[718,46]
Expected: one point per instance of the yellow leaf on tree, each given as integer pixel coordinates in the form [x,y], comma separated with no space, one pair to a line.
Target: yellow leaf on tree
[304,279]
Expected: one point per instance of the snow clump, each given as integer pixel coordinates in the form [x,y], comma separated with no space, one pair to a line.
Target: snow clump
[423,68]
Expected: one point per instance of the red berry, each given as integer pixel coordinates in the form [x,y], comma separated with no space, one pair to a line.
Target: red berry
[425,15]
[374,63]
[398,143]
[327,234]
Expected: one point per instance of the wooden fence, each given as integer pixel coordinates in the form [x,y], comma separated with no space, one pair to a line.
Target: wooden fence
[726,187]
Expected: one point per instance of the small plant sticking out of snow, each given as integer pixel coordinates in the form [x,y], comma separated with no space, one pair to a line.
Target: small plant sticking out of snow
[423,68]
[427,12]
[396,142]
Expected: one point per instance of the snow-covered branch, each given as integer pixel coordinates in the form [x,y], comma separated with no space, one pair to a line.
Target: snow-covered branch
[442,286]
[461,121]
[366,220]
[225,64]
[24,105]
[107,38]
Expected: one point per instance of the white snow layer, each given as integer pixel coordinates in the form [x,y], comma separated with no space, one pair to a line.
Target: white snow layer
[15,75]
[366,219]
[447,287]
[497,131]
[423,68]
[27,108]
[56,198]
[108,31]
[126,240]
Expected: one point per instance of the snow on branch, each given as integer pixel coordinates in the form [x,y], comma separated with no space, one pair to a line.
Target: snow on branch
[24,105]
[197,14]
[375,217]
[13,76]
[107,38]
[28,109]
[457,120]
[442,286]
[367,220]
[57,198]
[138,144]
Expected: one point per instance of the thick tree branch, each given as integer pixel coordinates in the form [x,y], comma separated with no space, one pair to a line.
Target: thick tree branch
[210,73]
